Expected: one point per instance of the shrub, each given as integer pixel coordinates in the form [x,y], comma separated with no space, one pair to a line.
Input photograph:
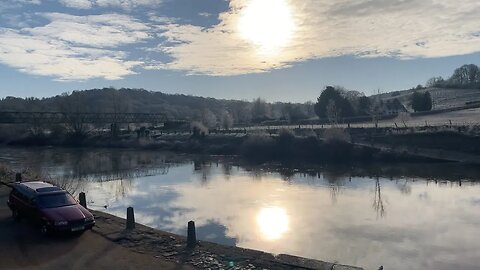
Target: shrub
[198,129]
[258,147]
[336,135]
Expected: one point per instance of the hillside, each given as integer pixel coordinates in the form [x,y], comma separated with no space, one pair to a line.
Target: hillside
[175,106]
[443,98]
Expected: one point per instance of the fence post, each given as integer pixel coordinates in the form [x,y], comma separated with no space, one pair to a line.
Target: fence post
[191,235]
[18,177]
[130,218]
[83,199]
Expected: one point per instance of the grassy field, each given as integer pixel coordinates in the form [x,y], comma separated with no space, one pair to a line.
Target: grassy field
[466,117]
[442,98]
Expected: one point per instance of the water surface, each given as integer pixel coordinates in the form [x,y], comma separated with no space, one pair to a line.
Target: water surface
[402,217]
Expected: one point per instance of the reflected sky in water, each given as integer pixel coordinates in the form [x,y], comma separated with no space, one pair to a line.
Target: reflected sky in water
[396,221]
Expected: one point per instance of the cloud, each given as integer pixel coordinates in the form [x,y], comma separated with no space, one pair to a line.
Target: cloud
[100,46]
[369,28]
[13,4]
[108,30]
[125,4]
[80,4]
[36,2]
[73,47]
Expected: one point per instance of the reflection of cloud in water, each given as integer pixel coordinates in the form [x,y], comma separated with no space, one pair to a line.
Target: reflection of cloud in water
[215,232]
[438,233]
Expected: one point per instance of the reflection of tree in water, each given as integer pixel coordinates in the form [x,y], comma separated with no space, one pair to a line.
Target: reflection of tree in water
[227,170]
[71,169]
[121,189]
[334,176]
[335,179]
[334,192]
[287,173]
[73,185]
[203,168]
[404,187]
[377,201]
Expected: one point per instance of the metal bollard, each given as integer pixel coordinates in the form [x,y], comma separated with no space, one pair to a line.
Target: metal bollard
[130,218]
[18,177]
[191,235]
[82,199]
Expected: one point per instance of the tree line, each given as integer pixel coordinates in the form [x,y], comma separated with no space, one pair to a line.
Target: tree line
[466,76]
[211,112]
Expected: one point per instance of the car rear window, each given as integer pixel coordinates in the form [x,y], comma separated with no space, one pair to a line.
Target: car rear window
[55,200]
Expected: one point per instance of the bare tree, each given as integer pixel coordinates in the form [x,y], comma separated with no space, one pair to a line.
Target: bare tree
[404,117]
[74,106]
[208,118]
[226,120]
[435,82]
[119,105]
[376,110]
[466,74]
[260,110]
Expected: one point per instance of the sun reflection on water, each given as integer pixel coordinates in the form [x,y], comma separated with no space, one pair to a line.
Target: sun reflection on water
[272,222]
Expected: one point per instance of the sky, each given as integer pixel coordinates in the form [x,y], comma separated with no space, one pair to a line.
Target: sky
[279,50]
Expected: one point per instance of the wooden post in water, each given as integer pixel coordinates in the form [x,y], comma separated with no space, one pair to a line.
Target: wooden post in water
[130,219]
[82,199]
[191,235]
[18,177]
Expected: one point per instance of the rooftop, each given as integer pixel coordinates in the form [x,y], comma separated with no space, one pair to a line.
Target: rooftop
[40,186]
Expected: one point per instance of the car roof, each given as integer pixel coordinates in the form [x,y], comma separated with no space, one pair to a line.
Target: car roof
[40,187]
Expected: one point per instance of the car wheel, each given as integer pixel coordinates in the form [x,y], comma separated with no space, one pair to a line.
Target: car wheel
[15,214]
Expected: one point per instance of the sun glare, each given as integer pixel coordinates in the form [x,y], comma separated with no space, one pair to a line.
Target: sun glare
[272,222]
[268,24]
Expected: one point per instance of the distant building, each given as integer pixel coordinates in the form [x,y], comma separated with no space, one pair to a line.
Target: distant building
[392,107]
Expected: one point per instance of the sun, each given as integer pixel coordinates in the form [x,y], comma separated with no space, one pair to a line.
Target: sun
[272,222]
[268,24]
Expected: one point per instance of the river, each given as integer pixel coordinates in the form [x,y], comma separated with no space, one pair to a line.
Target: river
[404,216]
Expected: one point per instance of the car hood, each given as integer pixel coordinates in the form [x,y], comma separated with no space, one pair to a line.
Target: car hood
[65,213]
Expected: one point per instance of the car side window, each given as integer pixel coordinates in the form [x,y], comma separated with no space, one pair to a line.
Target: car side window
[16,193]
[21,196]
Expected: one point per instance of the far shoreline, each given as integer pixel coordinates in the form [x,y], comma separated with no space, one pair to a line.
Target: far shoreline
[332,146]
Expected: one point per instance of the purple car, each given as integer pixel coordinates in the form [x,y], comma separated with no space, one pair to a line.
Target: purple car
[52,208]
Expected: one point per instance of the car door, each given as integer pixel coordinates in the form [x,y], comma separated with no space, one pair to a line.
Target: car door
[20,201]
[32,209]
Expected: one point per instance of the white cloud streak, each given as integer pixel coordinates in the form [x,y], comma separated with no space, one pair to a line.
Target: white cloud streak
[125,4]
[107,30]
[79,4]
[73,47]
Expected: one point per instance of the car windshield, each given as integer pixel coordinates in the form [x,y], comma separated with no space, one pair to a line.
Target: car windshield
[55,200]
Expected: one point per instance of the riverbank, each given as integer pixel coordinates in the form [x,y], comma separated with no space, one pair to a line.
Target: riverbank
[307,146]
[143,244]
